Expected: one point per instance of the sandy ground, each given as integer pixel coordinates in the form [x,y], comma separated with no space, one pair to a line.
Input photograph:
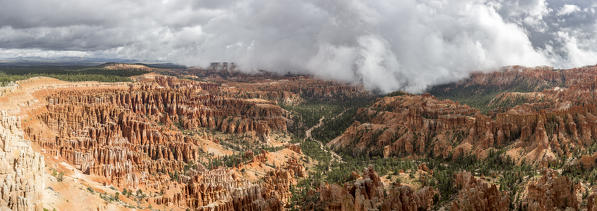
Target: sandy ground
[74,191]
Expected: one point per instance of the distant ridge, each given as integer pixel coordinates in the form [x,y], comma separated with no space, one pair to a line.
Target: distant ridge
[81,62]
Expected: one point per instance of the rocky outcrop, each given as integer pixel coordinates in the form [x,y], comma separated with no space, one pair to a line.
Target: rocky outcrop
[550,192]
[368,193]
[287,89]
[122,66]
[21,169]
[173,102]
[475,194]
[401,197]
[592,202]
[516,78]
[407,125]
[150,137]
[223,189]
[507,100]
[540,128]
[118,134]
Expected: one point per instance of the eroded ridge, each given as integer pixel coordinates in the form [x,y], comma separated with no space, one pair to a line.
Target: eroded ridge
[21,169]
[152,135]
[538,127]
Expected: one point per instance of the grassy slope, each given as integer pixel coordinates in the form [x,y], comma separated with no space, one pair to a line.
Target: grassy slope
[478,96]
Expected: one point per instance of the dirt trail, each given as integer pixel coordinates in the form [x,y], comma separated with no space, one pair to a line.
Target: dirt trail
[335,157]
[308,131]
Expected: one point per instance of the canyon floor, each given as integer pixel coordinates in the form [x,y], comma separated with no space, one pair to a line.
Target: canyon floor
[216,139]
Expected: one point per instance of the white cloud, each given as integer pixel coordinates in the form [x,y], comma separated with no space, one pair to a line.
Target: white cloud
[384,44]
[16,53]
[568,9]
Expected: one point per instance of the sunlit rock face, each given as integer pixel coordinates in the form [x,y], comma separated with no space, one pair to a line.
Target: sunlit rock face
[367,192]
[555,116]
[551,191]
[134,138]
[21,169]
[475,194]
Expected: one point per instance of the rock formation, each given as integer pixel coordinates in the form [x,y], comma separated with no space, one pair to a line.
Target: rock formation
[546,126]
[475,194]
[161,135]
[21,169]
[142,138]
[368,193]
[288,89]
[550,192]
[223,189]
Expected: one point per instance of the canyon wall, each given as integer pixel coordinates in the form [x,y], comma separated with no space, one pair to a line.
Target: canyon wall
[475,194]
[148,137]
[547,126]
[551,191]
[21,169]
[368,193]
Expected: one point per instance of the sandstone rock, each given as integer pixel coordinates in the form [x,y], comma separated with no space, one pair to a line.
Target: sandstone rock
[367,193]
[21,169]
[551,123]
[475,194]
[550,192]
[136,138]
[592,202]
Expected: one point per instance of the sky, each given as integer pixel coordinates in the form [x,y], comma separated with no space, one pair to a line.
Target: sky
[386,45]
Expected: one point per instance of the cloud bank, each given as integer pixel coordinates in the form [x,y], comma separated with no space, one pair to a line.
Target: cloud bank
[386,45]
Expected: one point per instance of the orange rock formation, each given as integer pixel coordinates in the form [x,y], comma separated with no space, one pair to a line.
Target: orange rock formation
[551,124]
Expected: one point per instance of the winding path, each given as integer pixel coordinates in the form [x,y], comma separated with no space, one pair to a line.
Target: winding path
[335,157]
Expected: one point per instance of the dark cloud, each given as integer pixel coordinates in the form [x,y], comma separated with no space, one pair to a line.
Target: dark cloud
[385,44]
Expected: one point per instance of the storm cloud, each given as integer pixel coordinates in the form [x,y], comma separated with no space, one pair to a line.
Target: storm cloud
[385,45]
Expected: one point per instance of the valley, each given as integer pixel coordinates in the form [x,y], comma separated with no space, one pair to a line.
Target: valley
[156,138]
